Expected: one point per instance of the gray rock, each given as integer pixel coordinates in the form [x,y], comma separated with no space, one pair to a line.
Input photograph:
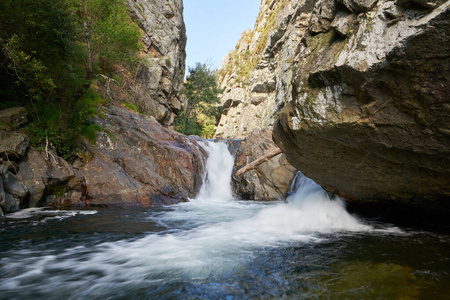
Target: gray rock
[40,172]
[14,117]
[13,145]
[365,116]
[343,22]
[358,6]
[13,185]
[11,203]
[2,191]
[159,82]
[322,16]
[368,120]
[271,179]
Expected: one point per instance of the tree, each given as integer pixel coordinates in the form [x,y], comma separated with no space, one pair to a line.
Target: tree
[107,31]
[202,95]
[37,39]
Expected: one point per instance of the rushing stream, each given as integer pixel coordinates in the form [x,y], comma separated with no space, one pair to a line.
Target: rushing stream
[216,247]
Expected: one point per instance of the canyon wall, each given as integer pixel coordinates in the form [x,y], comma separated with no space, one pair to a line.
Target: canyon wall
[157,85]
[361,92]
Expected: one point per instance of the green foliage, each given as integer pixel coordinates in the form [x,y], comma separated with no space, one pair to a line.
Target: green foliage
[130,106]
[49,53]
[188,126]
[52,130]
[107,31]
[202,95]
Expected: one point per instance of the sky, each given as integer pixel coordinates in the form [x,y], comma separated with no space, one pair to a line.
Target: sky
[215,26]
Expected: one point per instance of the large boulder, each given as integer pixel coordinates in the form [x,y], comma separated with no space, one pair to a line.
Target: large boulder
[139,162]
[269,180]
[44,174]
[370,116]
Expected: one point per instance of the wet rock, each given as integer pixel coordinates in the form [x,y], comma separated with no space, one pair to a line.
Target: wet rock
[13,145]
[271,179]
[10,204]
[13,117]
[2,192]
[13,185]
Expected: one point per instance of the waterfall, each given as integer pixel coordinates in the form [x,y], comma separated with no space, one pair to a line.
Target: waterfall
[217,180]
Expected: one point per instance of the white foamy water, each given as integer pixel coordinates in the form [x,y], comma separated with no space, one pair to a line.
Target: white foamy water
[218,234]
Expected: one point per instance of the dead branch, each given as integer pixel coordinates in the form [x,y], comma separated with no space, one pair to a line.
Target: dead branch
[257,162]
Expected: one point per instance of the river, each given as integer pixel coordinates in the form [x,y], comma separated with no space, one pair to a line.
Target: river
[217,247]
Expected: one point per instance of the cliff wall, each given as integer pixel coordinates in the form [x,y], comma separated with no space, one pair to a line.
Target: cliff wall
[157,85]
[361,87]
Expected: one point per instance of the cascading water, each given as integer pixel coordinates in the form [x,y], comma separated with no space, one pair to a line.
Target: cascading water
[217,181]
[200,248]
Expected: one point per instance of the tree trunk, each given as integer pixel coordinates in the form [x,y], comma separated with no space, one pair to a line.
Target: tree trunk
[257,162]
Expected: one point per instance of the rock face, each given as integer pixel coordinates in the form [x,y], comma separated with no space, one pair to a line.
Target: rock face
[134,162]
[254,75]
[271,179]
[139,162]
[156,88]
[364,90]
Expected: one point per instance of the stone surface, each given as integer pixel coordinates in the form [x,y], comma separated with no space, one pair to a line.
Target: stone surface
[364,107]
[10,204]
[343,22]
[271,179]
[2,192]
[358,6]
[322,16]
[13,145]
[13,117]
[139,162]
[157,86]
[370,114]
[261,77]
[13,185]
[46,174]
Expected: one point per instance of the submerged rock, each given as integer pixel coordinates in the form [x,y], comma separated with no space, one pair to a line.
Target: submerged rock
[268,181]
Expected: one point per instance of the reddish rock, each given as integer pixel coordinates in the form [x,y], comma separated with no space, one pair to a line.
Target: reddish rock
[139,162]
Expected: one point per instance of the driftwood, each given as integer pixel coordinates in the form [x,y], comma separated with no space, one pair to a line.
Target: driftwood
[257,162]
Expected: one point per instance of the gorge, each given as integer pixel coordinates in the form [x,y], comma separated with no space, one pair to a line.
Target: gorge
[353,92]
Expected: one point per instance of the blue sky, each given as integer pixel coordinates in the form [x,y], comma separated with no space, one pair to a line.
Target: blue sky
[215,26]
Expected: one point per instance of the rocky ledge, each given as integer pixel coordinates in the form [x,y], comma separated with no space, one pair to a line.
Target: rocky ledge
[370,112]
[134,161]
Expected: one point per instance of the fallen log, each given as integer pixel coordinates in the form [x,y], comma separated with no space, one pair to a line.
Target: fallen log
[257,162]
